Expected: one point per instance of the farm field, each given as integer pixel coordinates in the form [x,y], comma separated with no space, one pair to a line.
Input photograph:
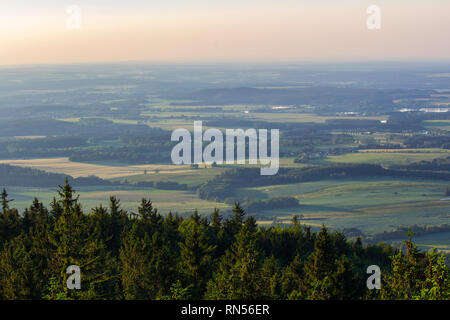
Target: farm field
[440,241]
[122,121]
[371,205]
[191,177]
[437,124]
[101,170]
[389,157]
[132,173]
[165,200]
[306,117]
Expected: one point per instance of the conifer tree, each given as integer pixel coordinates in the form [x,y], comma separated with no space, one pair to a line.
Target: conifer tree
[216,219]
[5,201]
[71,244]
[271,279]
[436,285]
[16,276]
[134,260]
[320,267]
[119,222]
[404,281]
[37,227]
[239,270]
[195,256]
[10,221]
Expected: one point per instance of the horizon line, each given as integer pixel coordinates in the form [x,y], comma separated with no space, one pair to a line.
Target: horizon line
[236,62]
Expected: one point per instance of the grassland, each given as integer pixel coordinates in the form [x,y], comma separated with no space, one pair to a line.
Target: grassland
[121,121]
[389,157]
[306,117]
[103,170]
[190,177]
[440,241]
[164,200]
[371,205]
[437,124]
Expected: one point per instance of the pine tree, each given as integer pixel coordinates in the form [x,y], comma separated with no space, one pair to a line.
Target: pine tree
[178,292]
[238,217]
[37,227]
[16,276]
[271,279]
[233,225]
[119,221]
[150,220]
[239,275]
[71,244]
[217,234]
[436,285]
[320,267]
[407,273]
[347,285]
[292,284]
[5,201]
[56,209]
[147,268]
[66,193]
[10,221]
[195,256]
[134,260]
[322,261]
[216,219]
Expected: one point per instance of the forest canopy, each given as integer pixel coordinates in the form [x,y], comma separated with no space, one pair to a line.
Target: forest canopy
[144,255]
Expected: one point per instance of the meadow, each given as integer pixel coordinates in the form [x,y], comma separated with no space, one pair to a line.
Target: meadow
[371,205]
[104,170]
[437,124]
[164,200]
[389,157]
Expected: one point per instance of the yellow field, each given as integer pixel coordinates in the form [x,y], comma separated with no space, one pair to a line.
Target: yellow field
[104,171]
[389,157]
[305,117]
[423,150]
[29,137]
[122,121]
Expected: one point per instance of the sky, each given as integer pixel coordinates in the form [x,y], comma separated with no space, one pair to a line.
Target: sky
[37,32]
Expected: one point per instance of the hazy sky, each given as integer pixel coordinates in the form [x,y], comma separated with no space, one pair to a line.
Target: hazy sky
[218,30]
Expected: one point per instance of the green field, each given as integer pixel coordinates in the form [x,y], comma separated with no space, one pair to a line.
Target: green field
[165,200]
[437,124]
[191,178]
[371,205]
[389,158]
[440,241]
